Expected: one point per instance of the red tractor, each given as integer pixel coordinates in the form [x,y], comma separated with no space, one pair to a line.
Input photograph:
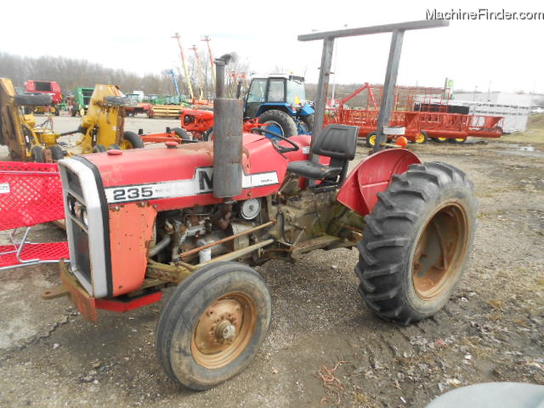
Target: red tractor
[46,87]
[199,215]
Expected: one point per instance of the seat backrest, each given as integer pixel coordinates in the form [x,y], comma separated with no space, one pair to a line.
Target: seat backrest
[337,141]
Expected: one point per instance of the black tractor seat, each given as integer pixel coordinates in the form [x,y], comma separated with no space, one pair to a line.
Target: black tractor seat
[339,142]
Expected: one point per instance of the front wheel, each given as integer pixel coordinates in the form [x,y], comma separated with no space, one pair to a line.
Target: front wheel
[213,324]
[182,134]
[421,138]
[131,140]
[57,153]
[439,139]
[371,139]
[417,242]
[37,154]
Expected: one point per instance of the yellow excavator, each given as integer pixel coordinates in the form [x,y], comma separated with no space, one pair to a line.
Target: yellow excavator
[101,128]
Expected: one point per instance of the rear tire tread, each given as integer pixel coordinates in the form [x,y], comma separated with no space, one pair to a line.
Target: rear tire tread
[389,232]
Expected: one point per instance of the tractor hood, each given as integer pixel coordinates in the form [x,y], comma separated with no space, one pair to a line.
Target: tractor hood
[182,176]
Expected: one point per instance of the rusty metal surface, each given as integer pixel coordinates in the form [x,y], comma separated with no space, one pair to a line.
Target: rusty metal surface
[441,247]
[84,302]
[55,292]
[167,273]
[227,239]
[316,243]
[227,147]
[231,256]
[224,330]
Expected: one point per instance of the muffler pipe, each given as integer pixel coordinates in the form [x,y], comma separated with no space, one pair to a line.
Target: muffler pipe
[227,146]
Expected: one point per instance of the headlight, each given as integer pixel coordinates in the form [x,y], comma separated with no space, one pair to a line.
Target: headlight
[84,217]
[78,208]
[71,205]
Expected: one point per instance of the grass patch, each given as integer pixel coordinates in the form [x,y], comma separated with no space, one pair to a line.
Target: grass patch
[534,133]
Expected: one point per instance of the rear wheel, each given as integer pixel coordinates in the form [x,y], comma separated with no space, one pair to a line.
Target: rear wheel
[182,134]
[421,137]
[440,139]
[131,140]
[460,140]
[279,122]
[416,242]
[371,139]
[308,122]
[213,325]
[56,152]
[37,153]
[99,148]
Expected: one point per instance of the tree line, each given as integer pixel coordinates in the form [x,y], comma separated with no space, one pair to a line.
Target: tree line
[73,73]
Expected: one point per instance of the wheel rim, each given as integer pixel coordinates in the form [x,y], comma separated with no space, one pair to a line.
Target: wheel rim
[440,250]
[420,138]
[125,145]
[372,140]
[459,140]
[224,330]
[442,139]
[273,126]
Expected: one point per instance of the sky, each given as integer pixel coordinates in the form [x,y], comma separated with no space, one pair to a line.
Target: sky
[477,55]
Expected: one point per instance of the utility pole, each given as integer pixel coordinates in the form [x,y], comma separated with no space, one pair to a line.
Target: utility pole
[200,71]
[207,39]
[184,65]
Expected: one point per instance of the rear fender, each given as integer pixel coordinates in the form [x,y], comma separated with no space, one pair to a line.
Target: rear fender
[305,110]
[373,175]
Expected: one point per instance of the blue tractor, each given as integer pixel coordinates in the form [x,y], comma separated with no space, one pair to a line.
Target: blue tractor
[279,100]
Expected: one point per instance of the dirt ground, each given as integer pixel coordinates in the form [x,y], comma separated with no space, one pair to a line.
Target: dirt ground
[325,347]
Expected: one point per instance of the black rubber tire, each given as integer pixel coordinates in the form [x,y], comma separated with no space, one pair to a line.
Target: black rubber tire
[99,148]
[367,139]
[181,314]
[57,153]
[392,232]
[37,153]
[33,100]
[115,100]
[286,122]
[182,133]
[309,122]
[207,135]
[458,141]
[134,139]
[437,140]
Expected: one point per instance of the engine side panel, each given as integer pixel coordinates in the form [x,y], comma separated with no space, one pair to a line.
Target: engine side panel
[131,233]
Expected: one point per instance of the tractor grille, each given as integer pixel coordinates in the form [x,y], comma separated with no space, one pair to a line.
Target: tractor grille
[78,229]
[81,245]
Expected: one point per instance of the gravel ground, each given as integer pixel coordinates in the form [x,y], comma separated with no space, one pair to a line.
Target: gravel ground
[325,347]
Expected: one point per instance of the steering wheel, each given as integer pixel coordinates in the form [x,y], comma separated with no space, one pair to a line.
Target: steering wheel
[279,148]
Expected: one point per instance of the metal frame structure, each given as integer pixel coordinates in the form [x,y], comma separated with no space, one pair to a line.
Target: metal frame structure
[397,36]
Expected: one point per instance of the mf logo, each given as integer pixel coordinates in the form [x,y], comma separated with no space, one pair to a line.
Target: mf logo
[205,179]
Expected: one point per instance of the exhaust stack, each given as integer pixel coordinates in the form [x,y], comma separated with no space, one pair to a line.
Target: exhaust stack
[227,145]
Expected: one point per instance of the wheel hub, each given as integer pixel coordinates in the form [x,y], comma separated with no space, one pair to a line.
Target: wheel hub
[224,330]
[440,249]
